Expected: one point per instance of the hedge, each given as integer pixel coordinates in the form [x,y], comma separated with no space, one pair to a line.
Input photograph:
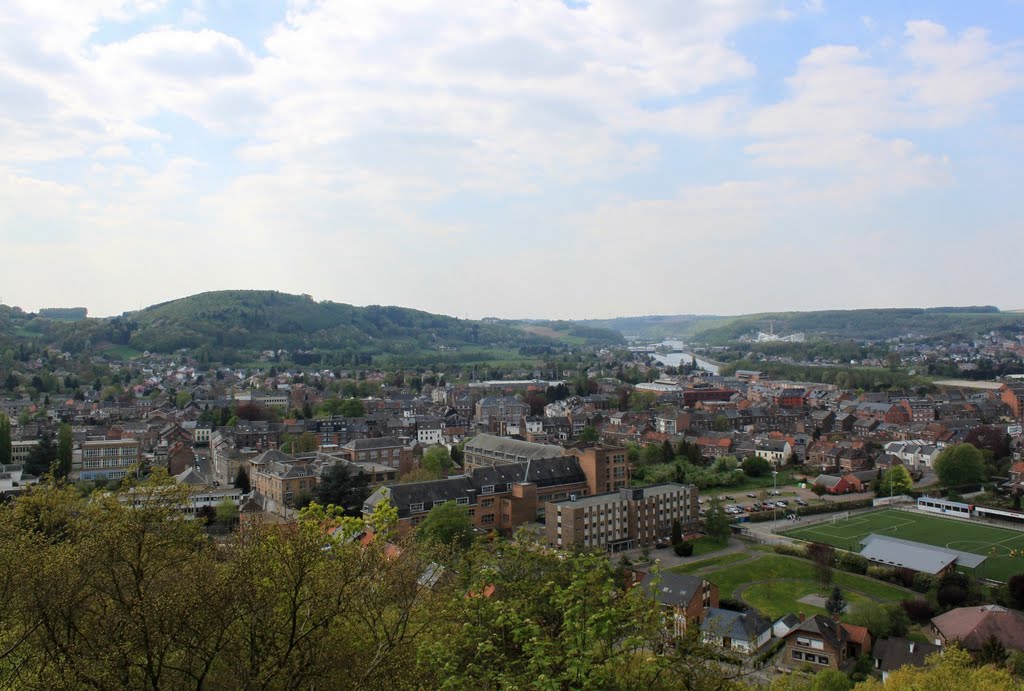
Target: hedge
[815,509]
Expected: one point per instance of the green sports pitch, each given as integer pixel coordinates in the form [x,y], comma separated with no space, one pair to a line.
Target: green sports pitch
[1003,547]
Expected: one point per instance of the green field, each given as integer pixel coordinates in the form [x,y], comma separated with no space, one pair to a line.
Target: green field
[774,584]
[991,541]
[721,560]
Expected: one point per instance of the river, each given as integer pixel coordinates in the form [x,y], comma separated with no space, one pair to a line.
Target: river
[677,358]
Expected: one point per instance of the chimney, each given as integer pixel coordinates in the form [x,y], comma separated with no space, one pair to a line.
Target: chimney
[802,617]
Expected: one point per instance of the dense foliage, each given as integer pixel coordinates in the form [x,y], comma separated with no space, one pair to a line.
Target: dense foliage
[116,591]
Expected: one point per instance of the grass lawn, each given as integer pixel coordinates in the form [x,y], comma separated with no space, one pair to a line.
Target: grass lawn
[720,560]
[775,599]
[789,578]
[705,545]
[991,541]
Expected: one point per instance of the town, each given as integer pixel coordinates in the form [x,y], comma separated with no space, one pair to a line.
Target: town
[788,524]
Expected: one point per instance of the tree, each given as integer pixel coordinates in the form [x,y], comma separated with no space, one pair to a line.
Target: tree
[668,454]
[447,524]
[952,668]
[227,513]
[895,481]
[437,461]
[823,557]
[754,466]
[720,424]
[352,407]
[589,434]
[960,464]
[5,440]
[242,480]
[835,603]
[65,443]
[182,399]
[684,548]
[992,651]
[42,456]
[716,522]
[677,532]
[340,487]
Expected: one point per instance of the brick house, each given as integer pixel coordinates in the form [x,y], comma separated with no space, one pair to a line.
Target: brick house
[825,643]
[685,598]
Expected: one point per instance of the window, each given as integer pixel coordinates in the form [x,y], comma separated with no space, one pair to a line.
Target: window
[821,659]
[487,518]
[418,506]
[797,655]
[487,489]
[462,500]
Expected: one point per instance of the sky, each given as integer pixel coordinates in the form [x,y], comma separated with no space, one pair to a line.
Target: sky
[536,158]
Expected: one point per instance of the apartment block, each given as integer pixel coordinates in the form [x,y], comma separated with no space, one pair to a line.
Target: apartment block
[621,520]
[106,459]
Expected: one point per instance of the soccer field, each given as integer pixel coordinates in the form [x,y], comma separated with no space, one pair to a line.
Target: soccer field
[998,544]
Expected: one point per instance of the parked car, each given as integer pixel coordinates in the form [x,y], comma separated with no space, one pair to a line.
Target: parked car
[730,498]
[751,495]
[775,492]
[801,502]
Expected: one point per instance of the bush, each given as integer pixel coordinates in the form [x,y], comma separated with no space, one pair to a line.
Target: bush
[923,582]
[919,611]
[683,549]
[792,550]
[882,573]
[852,562]
[951,595]
[734,605]
[905,577]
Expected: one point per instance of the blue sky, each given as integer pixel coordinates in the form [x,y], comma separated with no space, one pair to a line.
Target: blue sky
[532,158]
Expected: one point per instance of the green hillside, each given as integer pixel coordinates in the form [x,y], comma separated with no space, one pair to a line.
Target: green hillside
[224,322]
[952,323]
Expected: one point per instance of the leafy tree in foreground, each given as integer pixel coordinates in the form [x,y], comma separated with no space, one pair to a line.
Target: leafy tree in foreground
[953,668]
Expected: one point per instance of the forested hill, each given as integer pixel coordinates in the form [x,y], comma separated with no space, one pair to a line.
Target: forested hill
[951,323]
[948,323]
[262,319]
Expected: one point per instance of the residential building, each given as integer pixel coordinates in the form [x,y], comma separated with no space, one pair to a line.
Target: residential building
[487,449]
[500,409]
[500,497]
[686,599]
[106,459]
[1012,394]
[745,632]
[890,654]
[825,643]
[430,431]
[387,451]
[621,520]
[606,467]
[972,626]
[21,449]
